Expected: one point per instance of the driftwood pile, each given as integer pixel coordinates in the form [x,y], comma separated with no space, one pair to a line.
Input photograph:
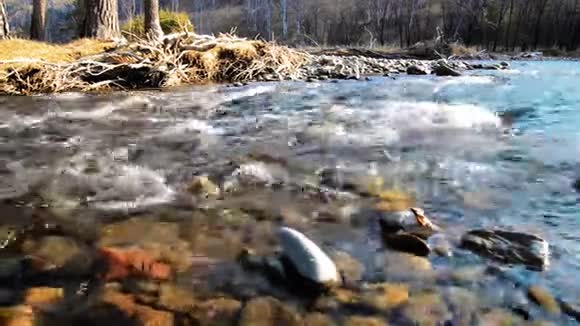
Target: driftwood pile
[181,58]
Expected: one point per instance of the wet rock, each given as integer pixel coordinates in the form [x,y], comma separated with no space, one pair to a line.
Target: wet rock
[62,253]
[43,295]
[406,242]
[268,311]
[403,266]
[441,246]
[463,303]
[160,240]
[500,317]
[203,186]
[508,247]
[220,311]
[8,296]
[414,222]
[17,316]
[416,70]
[426,308]
[307,258]
[385,296]
[350,268]
[543,298]
[468,274]
[318,319]
[364,321]
[504,64]
[572,310]
[492,67]
[120,263]
[144,315]
[175,298]
[394,201]
[443,69]
[11,269]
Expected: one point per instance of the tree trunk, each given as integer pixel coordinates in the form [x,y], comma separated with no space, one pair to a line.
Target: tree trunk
[101,19]
[3,21]
[152,26]
[284,15]
[38,23]
[509,26]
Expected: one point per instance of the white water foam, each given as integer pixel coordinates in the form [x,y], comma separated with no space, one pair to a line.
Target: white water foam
[388,124]
[463,80]
[106,110]
[105,183]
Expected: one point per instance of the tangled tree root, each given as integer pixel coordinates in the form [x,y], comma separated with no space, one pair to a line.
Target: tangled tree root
[182,58]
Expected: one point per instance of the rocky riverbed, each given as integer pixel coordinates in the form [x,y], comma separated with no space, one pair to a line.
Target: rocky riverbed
[324,67]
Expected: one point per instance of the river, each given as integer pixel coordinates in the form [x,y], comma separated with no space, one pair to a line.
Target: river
[489,149]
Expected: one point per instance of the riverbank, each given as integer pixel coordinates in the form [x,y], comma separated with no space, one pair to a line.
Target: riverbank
[29,67]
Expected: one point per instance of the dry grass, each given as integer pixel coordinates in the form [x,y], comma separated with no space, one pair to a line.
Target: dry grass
[29,67]
[19,49]
[462,50]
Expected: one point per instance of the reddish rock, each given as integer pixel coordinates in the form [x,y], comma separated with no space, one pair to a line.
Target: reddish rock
[122,263]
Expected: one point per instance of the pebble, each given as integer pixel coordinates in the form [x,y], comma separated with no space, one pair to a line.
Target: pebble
[268,311]
[509,247]
[364,321]
[307,258]
[220,311]
[203,186]
[59,253]
[426,308]
[416,70]
[43,295]
[406,242]
[318,319]
[351,269]
[385,296]
[543,298]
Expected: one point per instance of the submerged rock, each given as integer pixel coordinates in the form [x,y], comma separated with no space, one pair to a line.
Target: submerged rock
[443,69]
[385,296]
[416,70]
[408,243]
[43,295]
[508,247]
[351,269]
[203,186]
[268,311]
[318,319]
[221,311]
[419,226]
[306,257]
[544,299]
[62,253]
[364,321]
[572,310]
[426,308]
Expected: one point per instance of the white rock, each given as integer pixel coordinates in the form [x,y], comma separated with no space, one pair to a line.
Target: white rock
[310,261]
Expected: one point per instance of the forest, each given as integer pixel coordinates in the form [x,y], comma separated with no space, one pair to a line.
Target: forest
[497,25]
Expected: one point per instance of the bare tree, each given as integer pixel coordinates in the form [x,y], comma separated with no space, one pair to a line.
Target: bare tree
[152,26]
[38,23]
[101,19]
[284,17]
[4,30]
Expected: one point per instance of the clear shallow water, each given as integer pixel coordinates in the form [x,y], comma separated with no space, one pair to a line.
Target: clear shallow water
[492,149]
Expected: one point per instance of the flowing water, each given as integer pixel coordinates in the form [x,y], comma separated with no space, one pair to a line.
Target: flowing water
[488,149]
